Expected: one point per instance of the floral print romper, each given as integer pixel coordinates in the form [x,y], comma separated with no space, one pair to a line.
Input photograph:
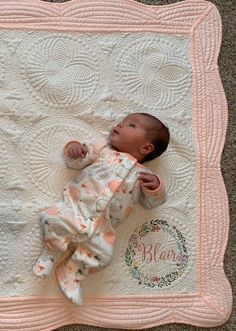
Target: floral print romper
[93,204]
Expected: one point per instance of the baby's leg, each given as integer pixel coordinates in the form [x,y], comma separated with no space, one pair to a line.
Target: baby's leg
[88,258]
[67,274]
[74,269]
[56,238]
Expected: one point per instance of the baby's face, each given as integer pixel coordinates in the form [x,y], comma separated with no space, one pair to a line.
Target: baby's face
[130,134]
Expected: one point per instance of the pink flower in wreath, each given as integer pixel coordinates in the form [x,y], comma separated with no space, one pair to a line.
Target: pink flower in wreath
[134,237]
[155,279]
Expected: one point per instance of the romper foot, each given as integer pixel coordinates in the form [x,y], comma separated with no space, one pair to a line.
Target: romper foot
[68,280]
[44,265]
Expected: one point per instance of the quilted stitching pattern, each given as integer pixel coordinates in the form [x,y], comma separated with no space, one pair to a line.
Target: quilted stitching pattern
[195,24]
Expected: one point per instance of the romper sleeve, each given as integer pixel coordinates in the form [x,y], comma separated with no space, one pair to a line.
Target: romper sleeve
[94,149]
[153,198]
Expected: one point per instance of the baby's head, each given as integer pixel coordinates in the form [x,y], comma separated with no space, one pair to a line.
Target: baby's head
[142,135]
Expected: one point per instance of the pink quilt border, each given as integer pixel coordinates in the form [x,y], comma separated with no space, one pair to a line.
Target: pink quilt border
[211,304]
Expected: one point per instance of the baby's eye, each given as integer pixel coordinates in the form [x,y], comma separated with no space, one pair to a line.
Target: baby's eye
[132,125]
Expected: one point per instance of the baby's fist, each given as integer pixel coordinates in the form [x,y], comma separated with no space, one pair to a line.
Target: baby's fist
[75,150]
[148,181]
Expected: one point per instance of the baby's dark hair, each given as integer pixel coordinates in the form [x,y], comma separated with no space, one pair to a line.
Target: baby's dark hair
[159,136]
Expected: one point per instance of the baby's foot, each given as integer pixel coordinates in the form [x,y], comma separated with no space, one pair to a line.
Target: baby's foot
[67,277]
[44,265]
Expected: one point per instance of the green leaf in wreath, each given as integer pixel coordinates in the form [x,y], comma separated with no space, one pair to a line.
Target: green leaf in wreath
[128,258]
[144,230]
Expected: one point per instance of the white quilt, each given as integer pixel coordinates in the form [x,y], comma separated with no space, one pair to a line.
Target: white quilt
[55,87]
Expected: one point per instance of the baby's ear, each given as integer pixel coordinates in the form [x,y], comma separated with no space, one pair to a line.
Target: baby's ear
[147,148]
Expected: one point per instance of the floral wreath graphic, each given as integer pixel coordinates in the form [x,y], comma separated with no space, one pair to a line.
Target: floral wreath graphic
[135,245]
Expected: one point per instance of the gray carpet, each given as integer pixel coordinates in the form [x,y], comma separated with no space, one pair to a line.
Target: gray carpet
[227,71]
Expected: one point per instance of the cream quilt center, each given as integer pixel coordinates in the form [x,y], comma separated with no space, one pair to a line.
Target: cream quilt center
[56,87]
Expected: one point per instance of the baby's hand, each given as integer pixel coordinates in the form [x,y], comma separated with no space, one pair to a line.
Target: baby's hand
[75,150]
[148,181]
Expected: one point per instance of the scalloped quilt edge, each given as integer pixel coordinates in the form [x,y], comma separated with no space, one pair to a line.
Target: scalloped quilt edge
[211,299]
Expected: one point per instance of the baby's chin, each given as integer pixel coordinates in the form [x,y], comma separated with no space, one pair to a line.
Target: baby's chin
[113,146]
[112,141]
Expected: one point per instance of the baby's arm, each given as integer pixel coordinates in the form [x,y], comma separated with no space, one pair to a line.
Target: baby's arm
[152,189]
[78,156]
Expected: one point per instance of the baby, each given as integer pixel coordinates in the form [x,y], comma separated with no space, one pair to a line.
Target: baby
[113,179]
